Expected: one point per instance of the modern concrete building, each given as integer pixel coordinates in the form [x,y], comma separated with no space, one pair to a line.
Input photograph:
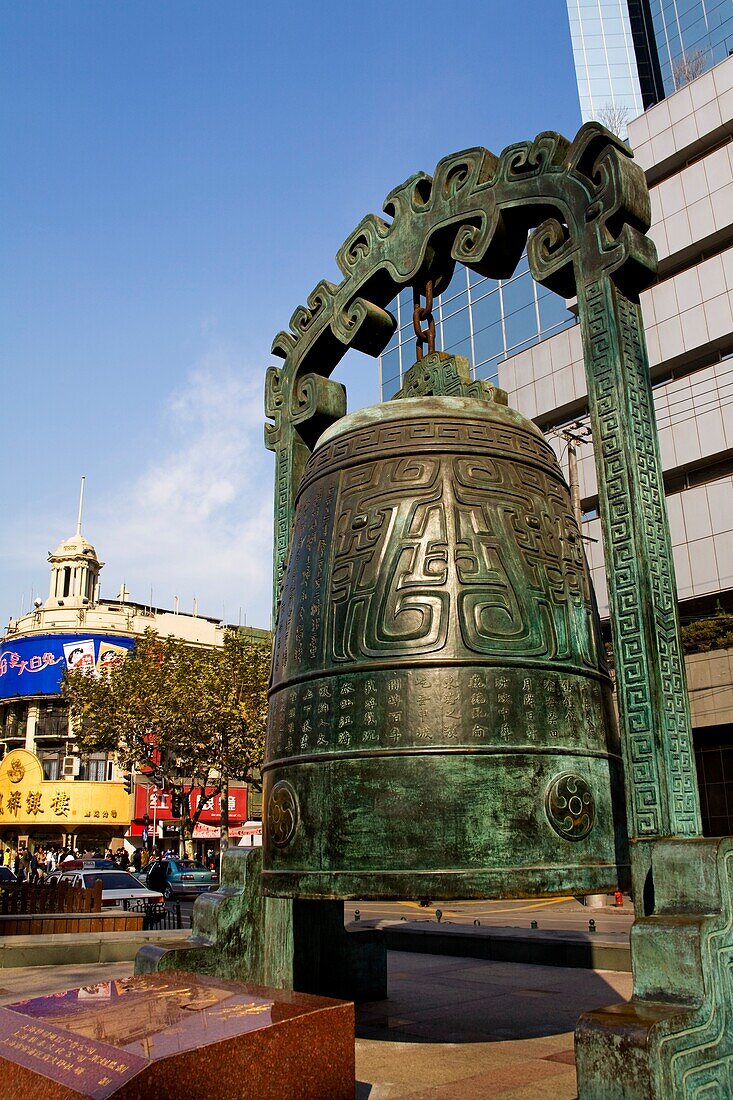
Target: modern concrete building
[685,145]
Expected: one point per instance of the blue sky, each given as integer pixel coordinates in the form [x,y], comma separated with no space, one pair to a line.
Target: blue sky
[176,177]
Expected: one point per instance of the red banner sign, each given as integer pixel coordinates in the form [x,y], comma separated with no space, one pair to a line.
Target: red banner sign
[156,803]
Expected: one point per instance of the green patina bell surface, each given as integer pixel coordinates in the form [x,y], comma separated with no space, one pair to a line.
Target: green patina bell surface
[441,722]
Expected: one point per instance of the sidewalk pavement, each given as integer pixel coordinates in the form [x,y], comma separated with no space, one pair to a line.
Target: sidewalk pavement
[80,948]
[451,1026]
[475,1029]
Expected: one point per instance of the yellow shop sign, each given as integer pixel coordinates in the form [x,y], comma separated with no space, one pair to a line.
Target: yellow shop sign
[26,798]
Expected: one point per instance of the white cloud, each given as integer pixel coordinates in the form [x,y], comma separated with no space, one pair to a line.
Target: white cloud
[198,519]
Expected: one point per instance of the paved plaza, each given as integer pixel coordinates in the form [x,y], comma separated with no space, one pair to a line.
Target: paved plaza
[452,1027]
[467,1028]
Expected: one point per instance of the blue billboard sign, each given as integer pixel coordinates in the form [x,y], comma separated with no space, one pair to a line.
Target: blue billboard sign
[34,665]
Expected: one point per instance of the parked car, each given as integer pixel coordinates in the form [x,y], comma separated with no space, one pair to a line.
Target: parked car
[183,877]
[6,875]
[117,886]
[78,865]
[53,876]
[91,864]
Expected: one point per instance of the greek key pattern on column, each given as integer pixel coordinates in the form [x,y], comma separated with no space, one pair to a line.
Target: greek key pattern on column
[317,403]
[279,437]
[631,655]
[282,525]
[675,716]
[639,568]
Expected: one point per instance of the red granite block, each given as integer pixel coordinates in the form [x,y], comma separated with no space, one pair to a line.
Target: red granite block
[177,1034]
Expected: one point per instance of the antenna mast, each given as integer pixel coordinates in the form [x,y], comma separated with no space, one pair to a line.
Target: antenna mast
[81,505]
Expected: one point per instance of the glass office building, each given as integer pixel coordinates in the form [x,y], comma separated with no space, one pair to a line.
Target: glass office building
[605,57]
[630,54]
[691,36]
[485,320]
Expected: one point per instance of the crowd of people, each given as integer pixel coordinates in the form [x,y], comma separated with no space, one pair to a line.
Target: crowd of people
[33,865]
[142,857]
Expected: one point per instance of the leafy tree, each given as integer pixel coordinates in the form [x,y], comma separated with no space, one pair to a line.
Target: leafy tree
[699,636]
[706,634]
[188,718]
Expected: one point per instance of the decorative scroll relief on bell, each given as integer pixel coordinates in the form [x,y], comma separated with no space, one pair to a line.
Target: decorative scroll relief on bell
[440,718]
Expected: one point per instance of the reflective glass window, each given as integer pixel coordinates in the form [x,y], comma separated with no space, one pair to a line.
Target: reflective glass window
[552,310]
[456,327]
[489,371]
[488,343]
[460,347]
[390,388]
[486,311]
[691,37]
[393,342]
[391,365]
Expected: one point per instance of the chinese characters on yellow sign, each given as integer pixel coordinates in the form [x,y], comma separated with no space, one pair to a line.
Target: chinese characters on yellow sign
[59,805]
[27,798]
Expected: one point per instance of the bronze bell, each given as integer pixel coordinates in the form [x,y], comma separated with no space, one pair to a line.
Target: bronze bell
[441,722]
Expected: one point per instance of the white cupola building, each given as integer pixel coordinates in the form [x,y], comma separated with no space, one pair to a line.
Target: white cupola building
[77,627]
[74,573]
[74,569]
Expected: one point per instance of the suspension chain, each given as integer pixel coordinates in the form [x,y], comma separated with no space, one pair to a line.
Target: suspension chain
[422,313]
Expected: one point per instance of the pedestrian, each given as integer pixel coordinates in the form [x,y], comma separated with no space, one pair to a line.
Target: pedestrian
[124,859]
[145,858]
[156,873]
[137,860]
[25,865]
[33,868]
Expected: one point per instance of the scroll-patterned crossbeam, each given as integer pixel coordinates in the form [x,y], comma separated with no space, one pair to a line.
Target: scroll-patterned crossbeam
[582,211]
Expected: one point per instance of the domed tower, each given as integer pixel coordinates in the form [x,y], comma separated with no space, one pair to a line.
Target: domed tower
[75,569]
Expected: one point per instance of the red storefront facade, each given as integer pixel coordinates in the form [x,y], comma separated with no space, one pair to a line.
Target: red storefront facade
[163,827]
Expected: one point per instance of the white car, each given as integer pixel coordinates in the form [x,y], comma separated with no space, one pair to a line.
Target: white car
[117,886]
